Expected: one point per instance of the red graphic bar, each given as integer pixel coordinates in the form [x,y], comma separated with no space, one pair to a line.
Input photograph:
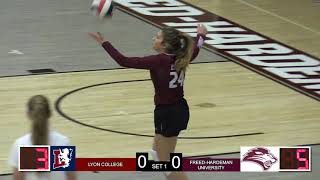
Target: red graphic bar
[105,164]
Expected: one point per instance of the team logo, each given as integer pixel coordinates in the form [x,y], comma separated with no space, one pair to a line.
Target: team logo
[63,158]
[255,159]
[261,156]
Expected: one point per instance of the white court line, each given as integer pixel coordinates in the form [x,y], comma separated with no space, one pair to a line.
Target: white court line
[278,16]
[14,51]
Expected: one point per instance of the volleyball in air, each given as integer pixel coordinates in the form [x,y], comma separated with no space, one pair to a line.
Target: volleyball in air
[102,8]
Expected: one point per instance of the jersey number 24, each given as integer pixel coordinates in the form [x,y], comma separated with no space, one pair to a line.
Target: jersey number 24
[177,79]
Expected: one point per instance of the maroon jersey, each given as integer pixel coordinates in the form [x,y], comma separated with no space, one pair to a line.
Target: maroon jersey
[168,84]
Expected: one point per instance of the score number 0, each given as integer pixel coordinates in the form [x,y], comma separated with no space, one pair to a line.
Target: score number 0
[175,163]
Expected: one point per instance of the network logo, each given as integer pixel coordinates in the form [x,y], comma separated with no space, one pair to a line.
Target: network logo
[63,158]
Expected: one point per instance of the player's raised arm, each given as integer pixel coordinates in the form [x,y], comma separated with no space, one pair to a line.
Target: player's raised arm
[199,41]
[147,62]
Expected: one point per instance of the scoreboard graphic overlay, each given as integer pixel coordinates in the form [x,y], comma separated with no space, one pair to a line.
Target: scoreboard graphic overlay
[275,159]
[252,159]
[34,158]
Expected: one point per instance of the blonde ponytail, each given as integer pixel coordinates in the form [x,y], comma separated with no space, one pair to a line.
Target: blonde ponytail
[179,44]
[39,112]
[184,54]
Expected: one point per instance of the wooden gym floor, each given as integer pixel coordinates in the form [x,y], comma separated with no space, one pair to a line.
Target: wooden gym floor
[225,99]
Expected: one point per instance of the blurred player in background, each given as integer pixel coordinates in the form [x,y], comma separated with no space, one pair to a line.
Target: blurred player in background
[167,69]
[39,112]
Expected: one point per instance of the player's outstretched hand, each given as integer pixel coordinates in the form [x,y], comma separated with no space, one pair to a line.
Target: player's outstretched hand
[97,36]
[202,29]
